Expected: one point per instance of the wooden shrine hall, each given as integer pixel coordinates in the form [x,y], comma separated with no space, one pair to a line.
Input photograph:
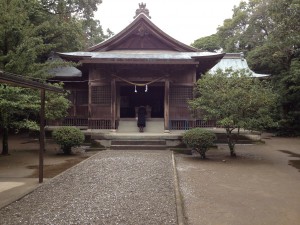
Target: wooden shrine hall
[141,65]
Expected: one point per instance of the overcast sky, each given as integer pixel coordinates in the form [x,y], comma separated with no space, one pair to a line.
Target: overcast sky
[184,20]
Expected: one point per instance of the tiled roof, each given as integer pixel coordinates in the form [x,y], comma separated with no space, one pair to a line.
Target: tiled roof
[235,61]
[140,55]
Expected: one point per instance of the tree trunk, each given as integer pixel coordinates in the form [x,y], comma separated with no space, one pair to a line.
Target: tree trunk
[232,152]
[67,150]
[5,141]
[202,153]
[230,142]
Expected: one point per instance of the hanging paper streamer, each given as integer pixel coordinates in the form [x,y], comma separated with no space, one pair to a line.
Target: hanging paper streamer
[140,84]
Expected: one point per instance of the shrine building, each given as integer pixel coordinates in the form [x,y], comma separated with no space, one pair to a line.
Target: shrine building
[141,65]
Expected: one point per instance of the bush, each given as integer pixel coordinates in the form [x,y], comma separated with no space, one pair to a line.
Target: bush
[68,137]
[199,140]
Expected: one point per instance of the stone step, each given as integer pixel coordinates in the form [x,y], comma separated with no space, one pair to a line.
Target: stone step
[138,147]
[138,142]
[122,144]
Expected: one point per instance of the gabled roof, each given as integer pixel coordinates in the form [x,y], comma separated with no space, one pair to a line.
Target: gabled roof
[235,61]
[142,42]
[142,34]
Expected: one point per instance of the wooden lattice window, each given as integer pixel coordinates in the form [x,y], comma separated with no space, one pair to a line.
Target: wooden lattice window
[180,95]
[101,95]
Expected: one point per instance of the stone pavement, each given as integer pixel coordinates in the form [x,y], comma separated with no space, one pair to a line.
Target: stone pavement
[112,187]
[12,189]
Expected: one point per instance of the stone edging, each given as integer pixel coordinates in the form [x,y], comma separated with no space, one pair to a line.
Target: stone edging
[179,203]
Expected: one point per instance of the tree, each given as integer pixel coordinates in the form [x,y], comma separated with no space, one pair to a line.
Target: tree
[29,31]
[77,14]
[248,28]
[65,9]
[235,100]
[56,104]
[290,99]
[268,33]
[14,102]
[19,108]
[94,33]
[210,43]
[21,51]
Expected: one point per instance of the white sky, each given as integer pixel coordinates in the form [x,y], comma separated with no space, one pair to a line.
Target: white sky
[184,20]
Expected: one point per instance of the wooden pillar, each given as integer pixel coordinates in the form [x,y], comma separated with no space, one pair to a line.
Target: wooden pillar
[89,103]
[91,75]
[42,137]
[74,102]
[166,105]
[113,104]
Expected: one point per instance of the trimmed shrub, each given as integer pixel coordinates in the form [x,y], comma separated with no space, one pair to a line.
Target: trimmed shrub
[68,137]
[199,140]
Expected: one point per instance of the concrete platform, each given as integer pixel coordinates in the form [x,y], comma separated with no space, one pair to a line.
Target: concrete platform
[154,130]
[12,189]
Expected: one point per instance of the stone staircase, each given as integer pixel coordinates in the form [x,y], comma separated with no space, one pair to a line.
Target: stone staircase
[138,145]
[129,138]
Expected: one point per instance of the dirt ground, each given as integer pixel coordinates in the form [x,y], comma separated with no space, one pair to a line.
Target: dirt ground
[19,170]
[23,158]
[261,186]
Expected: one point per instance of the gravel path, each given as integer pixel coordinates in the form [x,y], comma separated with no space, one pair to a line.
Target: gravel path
[112,187]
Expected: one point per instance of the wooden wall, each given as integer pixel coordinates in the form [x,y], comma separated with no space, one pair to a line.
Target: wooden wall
[79,99]
[181,90]
[98,99]
[99,93]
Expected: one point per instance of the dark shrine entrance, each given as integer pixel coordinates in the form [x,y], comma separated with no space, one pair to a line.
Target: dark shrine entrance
[151,97]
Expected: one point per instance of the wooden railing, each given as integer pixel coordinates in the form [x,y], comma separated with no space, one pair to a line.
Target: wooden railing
[83,122]
[69,121]
[99,124]
[78,122]
[179,125]
[105,123]
[205,123]
[188,124]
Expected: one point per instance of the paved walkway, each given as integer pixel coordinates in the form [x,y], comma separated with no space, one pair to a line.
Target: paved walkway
[112,187]
[12,189]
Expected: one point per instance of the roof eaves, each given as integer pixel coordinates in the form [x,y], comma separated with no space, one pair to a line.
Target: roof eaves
[76,56]
[138,61]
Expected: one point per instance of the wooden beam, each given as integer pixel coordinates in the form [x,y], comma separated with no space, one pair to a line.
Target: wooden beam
[113,103]
[42,137]
[166,105]
[17,80]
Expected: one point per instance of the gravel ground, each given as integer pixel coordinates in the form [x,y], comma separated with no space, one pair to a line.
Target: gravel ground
[112,187]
